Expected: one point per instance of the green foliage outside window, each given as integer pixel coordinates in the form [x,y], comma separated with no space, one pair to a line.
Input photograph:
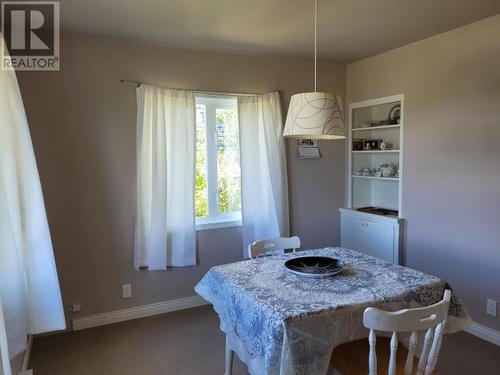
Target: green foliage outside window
[228,162]
[200,178]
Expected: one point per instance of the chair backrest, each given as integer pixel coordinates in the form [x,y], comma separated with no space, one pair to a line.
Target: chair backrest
[270,246]
[4,350]
[431,318]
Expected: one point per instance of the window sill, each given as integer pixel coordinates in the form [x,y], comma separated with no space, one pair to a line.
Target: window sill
[226,220]
[218,225]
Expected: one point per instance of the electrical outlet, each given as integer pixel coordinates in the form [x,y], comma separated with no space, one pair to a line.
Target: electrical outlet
[126,290]
[76,308]
[491,307]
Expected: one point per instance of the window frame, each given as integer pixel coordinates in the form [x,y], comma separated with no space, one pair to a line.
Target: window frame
[214,219]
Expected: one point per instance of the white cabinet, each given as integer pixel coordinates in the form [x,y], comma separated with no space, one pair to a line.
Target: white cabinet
[375,235]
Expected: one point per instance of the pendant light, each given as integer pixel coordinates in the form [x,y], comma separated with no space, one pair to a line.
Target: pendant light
[315,115]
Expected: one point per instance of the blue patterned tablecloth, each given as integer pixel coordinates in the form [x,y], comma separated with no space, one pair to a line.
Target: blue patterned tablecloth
[281,323]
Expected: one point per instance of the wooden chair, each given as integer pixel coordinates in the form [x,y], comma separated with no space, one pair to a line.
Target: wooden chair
[264,247]
[4,350]
[346,358]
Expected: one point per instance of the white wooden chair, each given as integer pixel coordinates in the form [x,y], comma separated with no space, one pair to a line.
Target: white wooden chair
[4,350]
[270,246]
[431,319]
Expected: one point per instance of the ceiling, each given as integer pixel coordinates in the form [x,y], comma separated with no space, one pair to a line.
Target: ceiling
[348,29]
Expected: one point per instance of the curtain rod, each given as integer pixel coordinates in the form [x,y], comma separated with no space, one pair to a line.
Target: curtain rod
[137,84]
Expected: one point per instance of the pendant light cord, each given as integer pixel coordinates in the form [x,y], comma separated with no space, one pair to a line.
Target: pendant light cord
[315,44]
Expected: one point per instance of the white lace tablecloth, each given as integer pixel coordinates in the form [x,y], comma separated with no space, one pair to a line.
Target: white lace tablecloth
[280,323]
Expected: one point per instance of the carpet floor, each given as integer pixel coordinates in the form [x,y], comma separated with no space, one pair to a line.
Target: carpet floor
[189,343]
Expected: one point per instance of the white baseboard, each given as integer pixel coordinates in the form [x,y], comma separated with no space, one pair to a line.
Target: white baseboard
[484,333]
[137,312]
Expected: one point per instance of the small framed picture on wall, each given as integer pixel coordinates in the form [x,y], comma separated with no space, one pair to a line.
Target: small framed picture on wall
[308,149]
[307,143]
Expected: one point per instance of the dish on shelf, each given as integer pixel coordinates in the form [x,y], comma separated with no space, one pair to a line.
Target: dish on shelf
[395,113]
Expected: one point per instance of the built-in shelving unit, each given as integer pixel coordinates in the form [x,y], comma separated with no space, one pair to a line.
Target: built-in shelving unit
[375,190]
[376,230]
[375,151]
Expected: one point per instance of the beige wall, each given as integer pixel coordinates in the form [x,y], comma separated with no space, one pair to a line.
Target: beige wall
[451,191]
[82,123]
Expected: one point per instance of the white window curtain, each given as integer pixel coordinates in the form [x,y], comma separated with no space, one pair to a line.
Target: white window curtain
[264,186]
[165,224]
[29,287]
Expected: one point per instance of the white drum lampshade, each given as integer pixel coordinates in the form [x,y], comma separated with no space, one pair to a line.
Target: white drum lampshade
[315,115]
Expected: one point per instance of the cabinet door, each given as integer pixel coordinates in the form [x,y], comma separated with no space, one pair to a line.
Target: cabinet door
[351,233]
[370,237]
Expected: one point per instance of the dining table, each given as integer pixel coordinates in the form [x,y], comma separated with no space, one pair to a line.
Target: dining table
[278,322]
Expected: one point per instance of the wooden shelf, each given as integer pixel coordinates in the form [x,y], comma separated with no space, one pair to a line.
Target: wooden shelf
[377,178]
[376,127]
[374,151]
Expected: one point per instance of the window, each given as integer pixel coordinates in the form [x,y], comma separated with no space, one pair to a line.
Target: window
[217,175]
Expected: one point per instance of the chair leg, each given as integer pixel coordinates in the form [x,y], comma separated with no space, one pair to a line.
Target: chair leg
[4,351]
[229,360]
